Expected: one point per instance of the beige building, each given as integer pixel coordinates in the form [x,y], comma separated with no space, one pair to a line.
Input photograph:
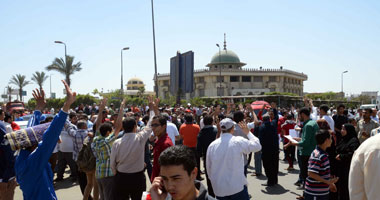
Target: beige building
[134,86]
[236,80]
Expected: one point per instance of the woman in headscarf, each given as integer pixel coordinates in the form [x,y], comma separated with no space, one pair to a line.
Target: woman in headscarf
[345,149]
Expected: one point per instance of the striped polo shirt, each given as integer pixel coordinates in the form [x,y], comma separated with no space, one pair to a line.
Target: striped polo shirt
[319,164]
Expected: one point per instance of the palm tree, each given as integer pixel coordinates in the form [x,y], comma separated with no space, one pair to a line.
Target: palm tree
[9,91]
[39,78]
[67,69]
[20,81]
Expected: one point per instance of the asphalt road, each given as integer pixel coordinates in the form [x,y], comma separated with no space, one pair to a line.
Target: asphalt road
[285,190]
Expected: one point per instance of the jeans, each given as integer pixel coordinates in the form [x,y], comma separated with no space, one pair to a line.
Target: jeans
[258,165]
[243,195]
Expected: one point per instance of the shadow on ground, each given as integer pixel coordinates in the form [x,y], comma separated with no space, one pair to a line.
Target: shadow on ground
[275,190]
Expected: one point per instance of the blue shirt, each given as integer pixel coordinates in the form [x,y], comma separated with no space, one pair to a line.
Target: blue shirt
[33,170]
[7,159]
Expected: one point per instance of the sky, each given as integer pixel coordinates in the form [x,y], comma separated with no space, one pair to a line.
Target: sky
[319,38]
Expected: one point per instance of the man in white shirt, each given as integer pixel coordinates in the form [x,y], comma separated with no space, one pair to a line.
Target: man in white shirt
[323,110]
[364,177]
[171,129]
[65,153]
[225,162]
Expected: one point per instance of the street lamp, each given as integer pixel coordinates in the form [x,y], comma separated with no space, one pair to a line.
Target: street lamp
[121,88]
[154,50]
[342,81]
[60,42]
[220,73]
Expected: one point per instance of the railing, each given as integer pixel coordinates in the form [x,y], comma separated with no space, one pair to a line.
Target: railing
[243,70]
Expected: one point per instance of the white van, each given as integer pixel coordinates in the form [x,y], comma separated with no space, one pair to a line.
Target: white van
[365,106]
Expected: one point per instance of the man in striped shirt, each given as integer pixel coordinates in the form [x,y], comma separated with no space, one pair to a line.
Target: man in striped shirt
[319,182]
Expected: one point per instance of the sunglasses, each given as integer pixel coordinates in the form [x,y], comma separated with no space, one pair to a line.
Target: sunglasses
[155,125]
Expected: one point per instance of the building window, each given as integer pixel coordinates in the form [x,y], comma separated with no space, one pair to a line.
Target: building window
[230,66]
[201,92]
[272,79]
[166,82]
[272,89]
[246,79]
[220,79]
[234,78]
[220,91]
[201,79]
[257,79]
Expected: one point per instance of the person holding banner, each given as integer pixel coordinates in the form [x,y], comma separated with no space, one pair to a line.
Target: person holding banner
[33,170]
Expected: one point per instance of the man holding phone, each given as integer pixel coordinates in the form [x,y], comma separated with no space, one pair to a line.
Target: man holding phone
[178,176]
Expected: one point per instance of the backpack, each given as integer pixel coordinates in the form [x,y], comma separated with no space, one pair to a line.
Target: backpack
[86,160]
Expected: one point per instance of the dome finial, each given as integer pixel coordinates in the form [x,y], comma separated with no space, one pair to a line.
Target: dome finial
[225,43]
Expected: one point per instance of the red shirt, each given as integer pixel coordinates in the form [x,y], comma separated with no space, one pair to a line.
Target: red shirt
[286,128]
[159,146]
[189,133]
[280,122]
[15,126]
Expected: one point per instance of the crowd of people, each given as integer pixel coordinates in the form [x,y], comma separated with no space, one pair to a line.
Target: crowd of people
[110,150]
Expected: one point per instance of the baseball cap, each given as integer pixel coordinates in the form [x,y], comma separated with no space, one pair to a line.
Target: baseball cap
[226,124]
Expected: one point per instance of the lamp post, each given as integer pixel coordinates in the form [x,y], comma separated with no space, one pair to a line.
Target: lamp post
[220,73]
[121,87]
[342,82]
[50,86]
[60,42]
[154,50]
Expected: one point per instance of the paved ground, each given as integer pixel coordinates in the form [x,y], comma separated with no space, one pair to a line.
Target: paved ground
[68,190]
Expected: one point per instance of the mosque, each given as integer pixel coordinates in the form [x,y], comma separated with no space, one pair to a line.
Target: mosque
[227,76]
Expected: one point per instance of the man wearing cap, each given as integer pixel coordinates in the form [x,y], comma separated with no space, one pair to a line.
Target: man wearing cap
[225,163]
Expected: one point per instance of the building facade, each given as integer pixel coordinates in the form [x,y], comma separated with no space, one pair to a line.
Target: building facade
[225,76]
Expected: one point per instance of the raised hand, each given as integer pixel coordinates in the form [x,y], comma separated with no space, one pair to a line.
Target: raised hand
[70,97]
[249,107]
[244,127]
[39,96]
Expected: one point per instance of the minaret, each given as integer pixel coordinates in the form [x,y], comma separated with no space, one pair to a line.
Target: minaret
[225,43]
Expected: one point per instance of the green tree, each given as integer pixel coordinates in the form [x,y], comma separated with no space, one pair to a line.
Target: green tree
[32,103]
[141,91]
[39,78]
[66,69]
[85,99]
[95,91]
[197,101]
[20,81]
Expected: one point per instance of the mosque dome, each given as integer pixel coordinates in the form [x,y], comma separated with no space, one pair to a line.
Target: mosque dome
[225,56]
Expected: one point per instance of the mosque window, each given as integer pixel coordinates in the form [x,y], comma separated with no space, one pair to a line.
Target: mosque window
[234,78]
[201,79]
[220,79]
[134,82]
[246,78]
[272,79]
[257,79]
[201,92]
